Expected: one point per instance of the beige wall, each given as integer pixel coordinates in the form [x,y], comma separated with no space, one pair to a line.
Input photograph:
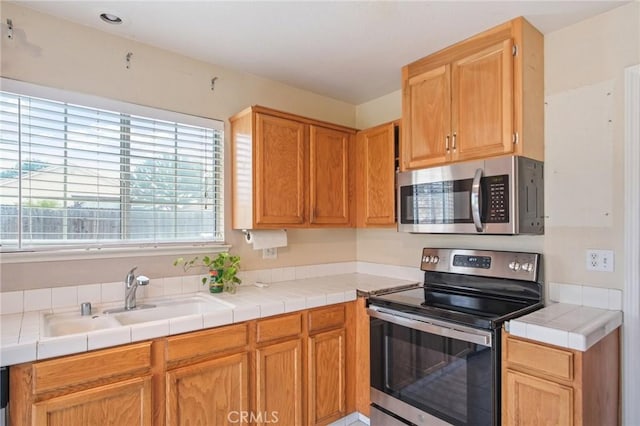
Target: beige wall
[56,53]
[582,62]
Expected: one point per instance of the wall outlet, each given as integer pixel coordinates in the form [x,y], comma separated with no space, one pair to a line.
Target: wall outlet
[270,253]
[600,260]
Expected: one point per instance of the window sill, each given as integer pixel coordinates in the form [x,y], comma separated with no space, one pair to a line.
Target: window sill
[110,252]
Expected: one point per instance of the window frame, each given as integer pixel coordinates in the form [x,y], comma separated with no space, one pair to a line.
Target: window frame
[115,249]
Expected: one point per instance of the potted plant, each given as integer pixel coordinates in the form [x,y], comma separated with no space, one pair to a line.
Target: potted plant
[223,270]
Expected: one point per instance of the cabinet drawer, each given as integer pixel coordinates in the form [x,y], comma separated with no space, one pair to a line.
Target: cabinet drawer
[278,328]
[193,345]
[91,367]
[326,318]
[540,359]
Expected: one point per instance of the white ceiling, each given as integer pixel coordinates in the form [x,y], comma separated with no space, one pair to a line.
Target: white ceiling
[347,50]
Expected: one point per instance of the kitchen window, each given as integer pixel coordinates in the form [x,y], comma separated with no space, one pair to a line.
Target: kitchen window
[115,174]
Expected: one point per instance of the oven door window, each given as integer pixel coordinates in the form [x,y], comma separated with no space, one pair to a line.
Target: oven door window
[447,378]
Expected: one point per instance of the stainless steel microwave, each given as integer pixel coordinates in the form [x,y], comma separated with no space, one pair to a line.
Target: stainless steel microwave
[503,195]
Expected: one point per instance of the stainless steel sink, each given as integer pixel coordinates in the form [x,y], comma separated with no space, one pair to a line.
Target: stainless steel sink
[61,324]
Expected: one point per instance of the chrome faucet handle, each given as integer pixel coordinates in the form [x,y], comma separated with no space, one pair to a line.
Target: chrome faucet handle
[142,280]
[130,276]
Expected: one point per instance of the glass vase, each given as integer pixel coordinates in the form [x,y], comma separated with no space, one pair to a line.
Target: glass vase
[230,287]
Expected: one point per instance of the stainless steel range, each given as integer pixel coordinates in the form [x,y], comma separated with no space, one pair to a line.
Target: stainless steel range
[435,349]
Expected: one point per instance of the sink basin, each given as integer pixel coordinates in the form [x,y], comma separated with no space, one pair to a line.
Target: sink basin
[61,324]
[171,309]
[54,325]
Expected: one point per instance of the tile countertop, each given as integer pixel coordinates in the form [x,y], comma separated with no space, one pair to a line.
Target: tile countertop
[568,326]
[21,340]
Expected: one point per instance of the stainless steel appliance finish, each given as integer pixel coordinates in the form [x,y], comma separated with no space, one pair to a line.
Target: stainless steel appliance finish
[435,349]
[503,195]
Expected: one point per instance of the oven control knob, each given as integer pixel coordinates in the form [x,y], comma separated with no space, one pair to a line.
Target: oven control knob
[435,259]
[514,266]
[426,259]
[528,267]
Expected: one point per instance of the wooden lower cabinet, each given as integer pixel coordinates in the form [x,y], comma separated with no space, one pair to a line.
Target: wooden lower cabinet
[122,403]
[326,377]
[105,387]
[534,401]
[213,392]
[288,370]
[279,383]
[549,385]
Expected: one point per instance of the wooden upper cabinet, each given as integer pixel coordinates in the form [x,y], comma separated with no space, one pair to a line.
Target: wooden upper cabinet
[482,106]
[330,182]
[280,171]
[289,171]
[469,101]
[375,176]
[426,98]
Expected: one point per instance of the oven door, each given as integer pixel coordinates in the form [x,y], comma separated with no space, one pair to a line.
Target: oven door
[428,372]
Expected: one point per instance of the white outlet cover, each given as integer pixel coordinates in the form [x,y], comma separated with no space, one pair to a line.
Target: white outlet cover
[270,253]
[599,260]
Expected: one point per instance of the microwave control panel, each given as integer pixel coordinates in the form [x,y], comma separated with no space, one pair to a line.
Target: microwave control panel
[497,198]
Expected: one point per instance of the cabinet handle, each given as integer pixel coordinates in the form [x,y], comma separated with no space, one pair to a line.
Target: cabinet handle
[453,142]
[446,143]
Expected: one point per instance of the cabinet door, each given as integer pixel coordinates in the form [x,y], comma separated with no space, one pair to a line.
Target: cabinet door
[280,171]
[482,103]
[208,393]
[326,381]
[330,182]
[426,114]
[279,383]
[126,403]
[376,176]
[533,401]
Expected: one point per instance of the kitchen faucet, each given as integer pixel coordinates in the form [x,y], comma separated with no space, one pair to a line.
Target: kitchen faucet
[132,283]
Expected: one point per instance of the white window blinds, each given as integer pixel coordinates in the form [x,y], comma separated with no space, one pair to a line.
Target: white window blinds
[83,176]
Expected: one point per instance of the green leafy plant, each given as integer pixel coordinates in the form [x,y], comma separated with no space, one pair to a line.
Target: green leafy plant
[225,264]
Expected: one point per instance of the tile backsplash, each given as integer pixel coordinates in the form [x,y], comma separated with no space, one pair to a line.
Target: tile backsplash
[595,297]
[67,297]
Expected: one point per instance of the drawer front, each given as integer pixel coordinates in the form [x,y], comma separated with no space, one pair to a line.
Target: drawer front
[277,328]
[202,343]
[537,358]
[96,366]
[326,318]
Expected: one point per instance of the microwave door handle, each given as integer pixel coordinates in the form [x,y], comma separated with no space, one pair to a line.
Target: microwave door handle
[476,193]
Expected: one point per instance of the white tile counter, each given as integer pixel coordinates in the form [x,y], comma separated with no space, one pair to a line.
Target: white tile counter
[568,326]
[21,339]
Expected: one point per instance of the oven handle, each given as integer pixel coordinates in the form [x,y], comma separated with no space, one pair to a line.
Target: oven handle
[478,338]
[475,200]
